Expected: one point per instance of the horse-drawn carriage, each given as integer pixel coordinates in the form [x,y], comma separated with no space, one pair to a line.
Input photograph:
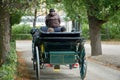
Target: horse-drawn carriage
[58,48]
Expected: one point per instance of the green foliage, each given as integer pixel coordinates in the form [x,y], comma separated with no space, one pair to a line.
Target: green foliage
[16,17]
[85,31]
[28,12]
[111,31]
[21,37]
[8,69]
[106,10]
[56,4]
[21,29]
[116,18]
[74,9]
[102,9]
[21,32]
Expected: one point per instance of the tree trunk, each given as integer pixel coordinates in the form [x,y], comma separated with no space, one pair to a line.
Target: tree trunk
[4,34]
[35,17]
[73,24]
[79,26]
[95,37]
[10,28]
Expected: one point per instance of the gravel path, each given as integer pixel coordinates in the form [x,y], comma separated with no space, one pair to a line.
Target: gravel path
[111,54]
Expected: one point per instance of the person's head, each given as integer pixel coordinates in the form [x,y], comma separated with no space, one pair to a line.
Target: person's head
[63,29]
[50,30]
[52,12]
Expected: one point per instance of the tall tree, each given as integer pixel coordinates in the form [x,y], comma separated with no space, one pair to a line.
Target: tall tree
[4,33]
[6,8]
[98,13]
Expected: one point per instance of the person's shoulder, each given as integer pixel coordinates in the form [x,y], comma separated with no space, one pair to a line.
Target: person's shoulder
[56,14]
[47,16]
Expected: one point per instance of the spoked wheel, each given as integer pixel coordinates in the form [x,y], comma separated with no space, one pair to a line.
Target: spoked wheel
[83,70]
[34,64]
[83,64]
[37,65]
[33,55]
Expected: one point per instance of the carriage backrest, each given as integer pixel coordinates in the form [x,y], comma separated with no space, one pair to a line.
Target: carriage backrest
[59,36]
[59,46]
[60,41]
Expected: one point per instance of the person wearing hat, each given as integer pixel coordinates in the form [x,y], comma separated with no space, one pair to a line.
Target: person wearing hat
[52,19]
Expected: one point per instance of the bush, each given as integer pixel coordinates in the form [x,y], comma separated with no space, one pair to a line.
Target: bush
[8,69]
[20,32]
[21,37]
[111,31]
[21,29]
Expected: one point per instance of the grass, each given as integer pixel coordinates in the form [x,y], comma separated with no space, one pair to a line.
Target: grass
[8,69]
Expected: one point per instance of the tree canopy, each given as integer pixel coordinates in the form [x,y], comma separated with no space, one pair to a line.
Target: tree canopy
[102,9]
[97,12]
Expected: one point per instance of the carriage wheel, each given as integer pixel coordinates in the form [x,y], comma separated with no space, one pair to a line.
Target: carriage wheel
[33,53]
[83,64]
[83,70]
[37,65]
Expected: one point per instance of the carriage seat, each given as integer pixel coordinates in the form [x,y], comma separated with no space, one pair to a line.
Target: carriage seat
[44,29]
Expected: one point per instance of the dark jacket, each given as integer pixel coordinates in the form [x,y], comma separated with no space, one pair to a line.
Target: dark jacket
[52,20]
